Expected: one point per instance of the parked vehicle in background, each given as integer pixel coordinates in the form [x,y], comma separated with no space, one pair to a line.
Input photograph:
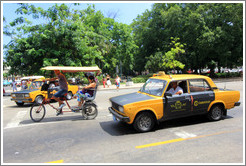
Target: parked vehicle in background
[6,83]
[34,94]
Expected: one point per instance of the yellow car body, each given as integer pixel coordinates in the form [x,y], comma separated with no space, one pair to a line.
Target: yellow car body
[200,96]
[34,93]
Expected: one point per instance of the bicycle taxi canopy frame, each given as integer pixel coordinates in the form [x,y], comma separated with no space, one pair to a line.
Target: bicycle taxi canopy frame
[73,69]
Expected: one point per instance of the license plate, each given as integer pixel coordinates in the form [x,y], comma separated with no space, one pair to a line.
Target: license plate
[114,118]
[19,101]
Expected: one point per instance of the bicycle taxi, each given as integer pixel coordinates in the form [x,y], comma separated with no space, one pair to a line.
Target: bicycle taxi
[88,109]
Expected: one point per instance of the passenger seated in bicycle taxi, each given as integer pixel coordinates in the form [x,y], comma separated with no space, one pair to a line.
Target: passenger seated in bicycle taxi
[86,92]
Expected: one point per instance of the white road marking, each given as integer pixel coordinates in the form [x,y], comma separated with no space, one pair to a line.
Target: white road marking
[16,120]
[182,134]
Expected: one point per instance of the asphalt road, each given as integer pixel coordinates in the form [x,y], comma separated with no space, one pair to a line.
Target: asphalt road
[70,139]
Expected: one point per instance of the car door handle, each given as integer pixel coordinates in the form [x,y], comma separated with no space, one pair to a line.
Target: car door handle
[187,97]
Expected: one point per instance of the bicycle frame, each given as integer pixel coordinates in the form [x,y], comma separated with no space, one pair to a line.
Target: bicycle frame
[47,101]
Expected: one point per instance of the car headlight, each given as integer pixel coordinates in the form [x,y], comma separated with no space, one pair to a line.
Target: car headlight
[26,95]
[121,109]
[13,95]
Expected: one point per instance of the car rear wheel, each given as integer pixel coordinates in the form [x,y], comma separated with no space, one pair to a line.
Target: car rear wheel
[215,113]
[144,122]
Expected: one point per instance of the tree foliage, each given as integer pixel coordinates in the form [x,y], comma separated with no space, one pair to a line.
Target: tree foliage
[67,37]
[213,33]
[202,35]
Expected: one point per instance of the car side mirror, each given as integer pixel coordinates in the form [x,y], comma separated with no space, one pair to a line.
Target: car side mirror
[168,94]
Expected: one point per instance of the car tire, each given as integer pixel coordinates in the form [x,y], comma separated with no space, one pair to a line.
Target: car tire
[144,122]
[20,104]
[215,113]
[39,99]
[69,95]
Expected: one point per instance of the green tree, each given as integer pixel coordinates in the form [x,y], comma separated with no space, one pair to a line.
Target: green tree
[167,60]
[212,32]
[67,37]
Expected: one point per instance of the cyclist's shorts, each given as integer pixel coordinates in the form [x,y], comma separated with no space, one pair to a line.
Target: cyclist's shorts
[60,93]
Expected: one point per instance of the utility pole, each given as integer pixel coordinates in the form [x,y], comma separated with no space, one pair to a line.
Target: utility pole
[120,68]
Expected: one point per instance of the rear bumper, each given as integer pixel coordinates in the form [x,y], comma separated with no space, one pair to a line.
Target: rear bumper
[237,104]
[118,116]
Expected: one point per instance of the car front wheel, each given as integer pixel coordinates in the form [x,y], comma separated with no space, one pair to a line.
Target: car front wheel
[144,122]
[39,99]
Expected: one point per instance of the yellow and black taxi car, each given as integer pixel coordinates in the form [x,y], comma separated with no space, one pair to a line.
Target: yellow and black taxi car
[34,94]
[152,103]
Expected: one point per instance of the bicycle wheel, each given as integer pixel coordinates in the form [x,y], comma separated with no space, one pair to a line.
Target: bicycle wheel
[89,111]
[37,112]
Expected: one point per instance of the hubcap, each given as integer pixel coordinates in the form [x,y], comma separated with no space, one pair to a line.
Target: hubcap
[216,113]
[69,96]
[145,123]
[40,100]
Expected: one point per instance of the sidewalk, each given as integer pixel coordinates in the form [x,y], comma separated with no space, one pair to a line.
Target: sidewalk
[122,86]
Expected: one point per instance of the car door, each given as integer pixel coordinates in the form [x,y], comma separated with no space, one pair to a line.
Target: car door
[177,105]
[202,95]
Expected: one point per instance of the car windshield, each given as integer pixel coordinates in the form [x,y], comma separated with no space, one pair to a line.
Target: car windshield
[36,85]
[154,87]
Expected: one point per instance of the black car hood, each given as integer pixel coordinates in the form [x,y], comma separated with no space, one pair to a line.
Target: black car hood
[25,91]
[130,98]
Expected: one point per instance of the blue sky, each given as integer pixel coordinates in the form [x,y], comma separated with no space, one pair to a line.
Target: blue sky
[126,11]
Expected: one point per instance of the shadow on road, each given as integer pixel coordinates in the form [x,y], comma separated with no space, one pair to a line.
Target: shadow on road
[23,106]
[59,118]
[120,128]
[117,128]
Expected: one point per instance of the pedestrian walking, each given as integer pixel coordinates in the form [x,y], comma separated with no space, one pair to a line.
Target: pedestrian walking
[117,82]
[104,81]
[108,80]
[14,85]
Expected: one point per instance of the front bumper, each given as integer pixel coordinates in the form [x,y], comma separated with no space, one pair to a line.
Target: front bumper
[24,100]
[118,116]
[237,104]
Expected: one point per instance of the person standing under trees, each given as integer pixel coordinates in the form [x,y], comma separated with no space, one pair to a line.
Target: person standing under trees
[63,90]
[104,81]
[14,85]
[108,80]
[117,82]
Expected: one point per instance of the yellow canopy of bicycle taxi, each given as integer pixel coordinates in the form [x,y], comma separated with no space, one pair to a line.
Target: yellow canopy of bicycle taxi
[73,68]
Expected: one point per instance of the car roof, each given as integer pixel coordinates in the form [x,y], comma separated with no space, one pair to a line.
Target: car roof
[179,76]
[174,77]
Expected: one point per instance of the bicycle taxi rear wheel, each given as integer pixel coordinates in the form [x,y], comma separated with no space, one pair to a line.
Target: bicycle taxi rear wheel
[89,111]
[37,112]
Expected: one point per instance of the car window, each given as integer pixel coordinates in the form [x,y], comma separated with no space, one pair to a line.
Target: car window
[198,85]
[154,87]
[36,85]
